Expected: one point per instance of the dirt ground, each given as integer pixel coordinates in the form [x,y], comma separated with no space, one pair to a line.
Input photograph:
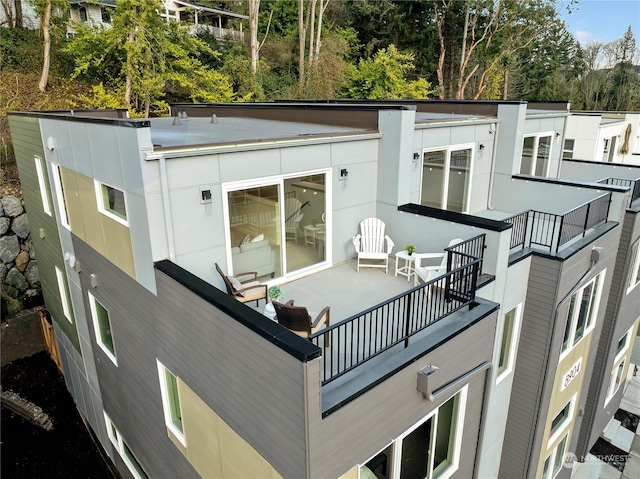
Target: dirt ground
[68,450]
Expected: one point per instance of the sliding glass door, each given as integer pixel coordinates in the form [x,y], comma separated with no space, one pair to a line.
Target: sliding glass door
[279,227]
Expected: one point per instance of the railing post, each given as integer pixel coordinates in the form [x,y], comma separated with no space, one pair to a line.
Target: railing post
[555,220]
[407,318]
[474,285]
[586,220]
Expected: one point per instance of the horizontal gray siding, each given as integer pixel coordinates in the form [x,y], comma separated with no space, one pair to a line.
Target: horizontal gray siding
[256,388]
[530,372]
[363,427]
[621,312]
[27,143]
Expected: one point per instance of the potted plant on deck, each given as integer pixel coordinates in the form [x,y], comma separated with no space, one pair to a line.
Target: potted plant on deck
[410,249]
[274,292]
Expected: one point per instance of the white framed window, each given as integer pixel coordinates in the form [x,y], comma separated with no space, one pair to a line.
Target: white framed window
[567,149]
[616,378]
[508,342]
[42,184]
[102,328]
[583,309]
[634,270]
[561,420]
[536,151]
[60,199]
[125,453]
[111,202]
[171,402]
[446,177]
[554,461]
[430,449]
[64,294]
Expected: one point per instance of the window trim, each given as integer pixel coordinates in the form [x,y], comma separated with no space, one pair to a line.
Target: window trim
[620,359]
[448,149]
[565,423]
[552,458]
[40,169]
[634,270]
[60,199]
[96,328]
[591,318]
[396,456]
[515,334]
[166,404]
[64,294]
[627,341]
[567,150]
[534,153]
[120,444]
[101,206]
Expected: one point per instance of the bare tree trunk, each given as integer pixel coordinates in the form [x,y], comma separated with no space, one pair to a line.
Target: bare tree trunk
[44,78]
[254,9]
[302,35]
[505,88]
[312,31]
[128,86]
[323,7]
[464,48]
[441,56]
[18,14]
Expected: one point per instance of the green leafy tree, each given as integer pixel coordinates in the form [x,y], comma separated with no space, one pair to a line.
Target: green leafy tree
[385,76]
[145,59]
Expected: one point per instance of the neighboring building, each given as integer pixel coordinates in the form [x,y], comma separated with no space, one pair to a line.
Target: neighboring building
[222,23]
[496,369]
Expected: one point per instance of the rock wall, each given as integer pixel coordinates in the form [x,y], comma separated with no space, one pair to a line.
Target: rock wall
[19,269]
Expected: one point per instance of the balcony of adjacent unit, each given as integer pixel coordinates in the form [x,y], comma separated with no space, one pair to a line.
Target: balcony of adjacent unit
[554,216]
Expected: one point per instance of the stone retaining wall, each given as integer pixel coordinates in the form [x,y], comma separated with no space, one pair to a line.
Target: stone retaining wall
[18,267]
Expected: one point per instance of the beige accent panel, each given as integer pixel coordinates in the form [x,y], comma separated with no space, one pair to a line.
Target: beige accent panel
[118,247]
[93,229]
[177,442]
[213,448]
[108,237]
[72,200]
[350,474]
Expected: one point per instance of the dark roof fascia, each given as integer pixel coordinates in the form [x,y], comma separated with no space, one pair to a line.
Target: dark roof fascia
[108,3]
[578,184]
[625,165]
[281,337]
[455,217]
[68,116]
[559,105]
[223,11]
[296,105]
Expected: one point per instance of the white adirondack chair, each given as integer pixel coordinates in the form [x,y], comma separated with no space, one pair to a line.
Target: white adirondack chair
[292,215]
[372,245]
[425,273]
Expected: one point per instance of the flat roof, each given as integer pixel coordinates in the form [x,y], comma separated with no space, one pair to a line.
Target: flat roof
[194,131]
[436,117]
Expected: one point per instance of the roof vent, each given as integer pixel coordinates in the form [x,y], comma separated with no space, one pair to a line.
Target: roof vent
[176,120]
[214,119]
[184,115]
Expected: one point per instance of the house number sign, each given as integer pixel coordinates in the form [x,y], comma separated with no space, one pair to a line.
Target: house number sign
[571,374]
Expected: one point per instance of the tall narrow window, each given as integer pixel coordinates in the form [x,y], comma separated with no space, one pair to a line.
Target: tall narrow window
[555,460]
[583,309]
[634,268]
[111,202]
[507,343]
[171,402]
[561,420]
[123,449]
[62,203]
[446,178]
[102,328]
[617,373]
[64,294]
[42,184]
[536,151]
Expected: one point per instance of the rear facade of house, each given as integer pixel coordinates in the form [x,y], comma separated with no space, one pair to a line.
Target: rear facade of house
[498,368]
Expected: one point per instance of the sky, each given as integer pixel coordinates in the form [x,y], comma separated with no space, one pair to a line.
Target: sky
[602,20]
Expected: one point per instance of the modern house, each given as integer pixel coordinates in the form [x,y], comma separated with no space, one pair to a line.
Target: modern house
[513,357]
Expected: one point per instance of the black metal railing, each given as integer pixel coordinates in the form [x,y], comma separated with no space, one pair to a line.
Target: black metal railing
[634,185]
[549,230]
[366,335]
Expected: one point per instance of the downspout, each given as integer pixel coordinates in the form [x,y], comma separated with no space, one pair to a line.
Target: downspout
[595,257]
[492,171]
[166,206]
[483,422]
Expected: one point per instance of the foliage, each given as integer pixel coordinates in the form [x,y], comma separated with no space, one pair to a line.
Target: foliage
[275,292]
[385,76]
[410,248]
